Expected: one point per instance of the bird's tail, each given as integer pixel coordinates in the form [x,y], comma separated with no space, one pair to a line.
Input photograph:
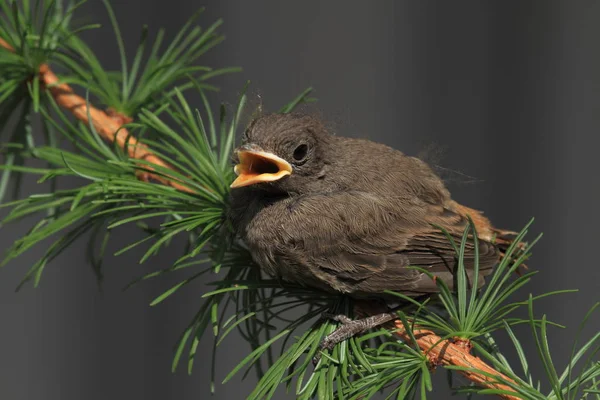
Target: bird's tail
[503,239]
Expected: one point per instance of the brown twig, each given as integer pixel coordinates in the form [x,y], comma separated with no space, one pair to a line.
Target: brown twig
[110,127]
[445,352]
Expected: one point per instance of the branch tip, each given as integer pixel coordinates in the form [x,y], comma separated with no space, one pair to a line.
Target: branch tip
[109,124]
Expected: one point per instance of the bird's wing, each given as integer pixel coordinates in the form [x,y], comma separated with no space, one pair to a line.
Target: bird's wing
[358,242]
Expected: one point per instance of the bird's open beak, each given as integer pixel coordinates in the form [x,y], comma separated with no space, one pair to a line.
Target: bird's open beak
[259,166]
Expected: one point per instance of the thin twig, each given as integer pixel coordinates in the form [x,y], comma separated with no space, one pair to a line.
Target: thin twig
[109,127]
[445,352]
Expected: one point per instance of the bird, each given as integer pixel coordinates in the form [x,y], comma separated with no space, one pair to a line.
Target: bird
[348,215]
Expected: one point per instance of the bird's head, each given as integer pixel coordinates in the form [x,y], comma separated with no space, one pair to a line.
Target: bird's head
[281,152]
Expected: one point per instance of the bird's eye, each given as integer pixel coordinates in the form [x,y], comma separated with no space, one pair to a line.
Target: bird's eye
[300,152]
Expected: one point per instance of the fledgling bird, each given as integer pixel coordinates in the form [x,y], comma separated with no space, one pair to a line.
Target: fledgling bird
[348,215]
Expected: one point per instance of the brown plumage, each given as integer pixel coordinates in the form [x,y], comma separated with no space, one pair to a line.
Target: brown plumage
[347,215]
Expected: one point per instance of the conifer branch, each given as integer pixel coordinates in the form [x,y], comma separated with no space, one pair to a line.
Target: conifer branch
[110,127]
[445,352]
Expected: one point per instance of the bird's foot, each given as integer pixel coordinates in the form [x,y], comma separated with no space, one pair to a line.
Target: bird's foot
[350,328]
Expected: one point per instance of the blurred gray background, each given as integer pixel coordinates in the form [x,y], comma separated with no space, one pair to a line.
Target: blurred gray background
[508,90]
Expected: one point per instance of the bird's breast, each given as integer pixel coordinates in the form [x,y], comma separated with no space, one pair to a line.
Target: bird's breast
[273,246]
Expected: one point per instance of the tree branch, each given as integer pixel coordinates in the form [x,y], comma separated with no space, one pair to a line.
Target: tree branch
[445,352]
[108,126]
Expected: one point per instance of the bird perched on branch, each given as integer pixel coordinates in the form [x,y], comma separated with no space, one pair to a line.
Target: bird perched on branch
[348,215]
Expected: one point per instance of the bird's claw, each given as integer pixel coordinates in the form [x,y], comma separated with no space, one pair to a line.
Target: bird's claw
[345,331]
[341,318]
[349,328]
[333,338]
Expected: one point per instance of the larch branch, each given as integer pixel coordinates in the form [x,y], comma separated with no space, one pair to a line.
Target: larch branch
[110,127]
[445,352]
